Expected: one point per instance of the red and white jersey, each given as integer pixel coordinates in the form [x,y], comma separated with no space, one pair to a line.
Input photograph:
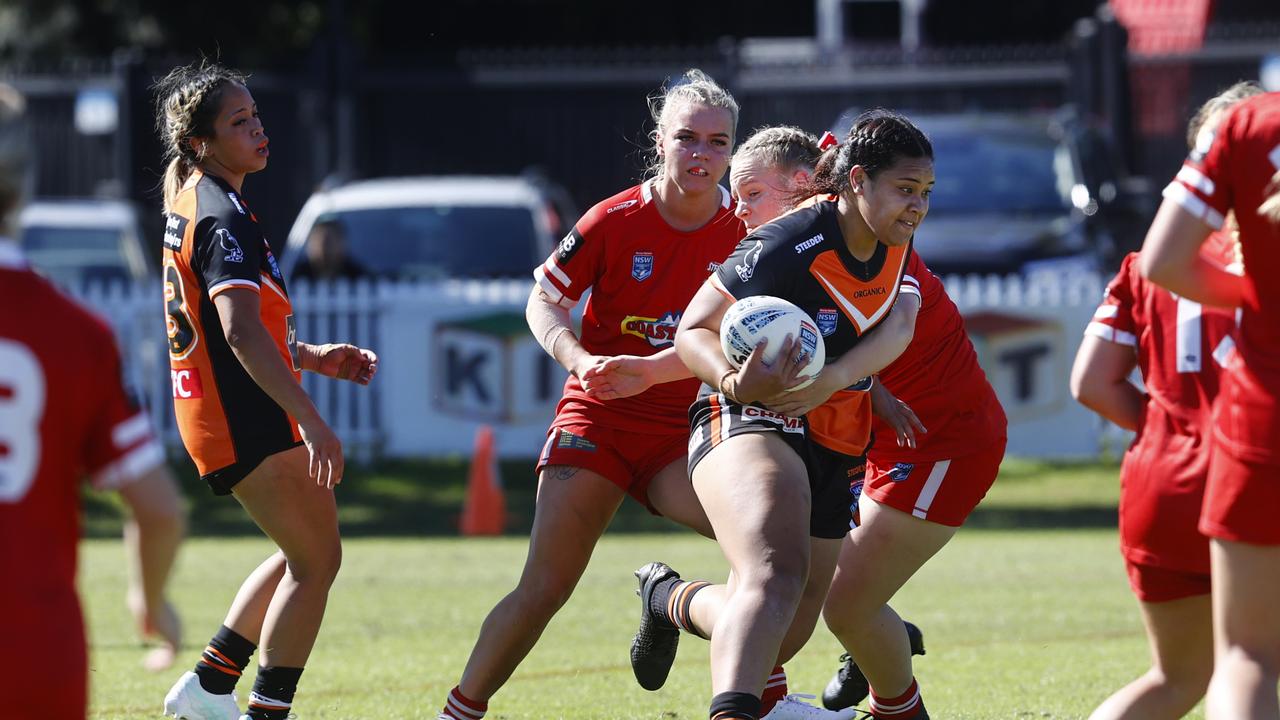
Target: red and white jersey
[1230,169]
[939,377]
[64,417]
[1181,346]
[643,274]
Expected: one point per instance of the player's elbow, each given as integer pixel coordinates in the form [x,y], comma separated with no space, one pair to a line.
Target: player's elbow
[1152,265]
[240,330]
[1088,387]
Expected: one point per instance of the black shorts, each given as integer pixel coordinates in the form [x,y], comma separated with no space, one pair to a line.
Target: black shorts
[222,480]
[713,418]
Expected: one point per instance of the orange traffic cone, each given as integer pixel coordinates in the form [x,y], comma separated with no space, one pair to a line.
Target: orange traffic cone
[485,512]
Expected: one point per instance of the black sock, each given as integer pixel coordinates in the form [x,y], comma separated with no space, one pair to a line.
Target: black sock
[223,661]
[272,694]
[735,706]
[672,599]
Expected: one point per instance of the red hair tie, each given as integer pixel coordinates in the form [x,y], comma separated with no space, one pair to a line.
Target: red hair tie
[828,141]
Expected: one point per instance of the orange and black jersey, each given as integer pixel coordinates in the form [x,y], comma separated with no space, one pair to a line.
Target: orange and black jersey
[212,244]
[802,257]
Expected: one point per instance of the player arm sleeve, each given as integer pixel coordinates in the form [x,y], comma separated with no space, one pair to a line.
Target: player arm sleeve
[123,447]
[1199,187]
[750,270]
[1113,320]
[575,263]
[229,253]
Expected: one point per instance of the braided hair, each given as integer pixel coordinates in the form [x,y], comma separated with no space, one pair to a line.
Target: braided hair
[695,88]
[877,140]
[782,147]
[187,103]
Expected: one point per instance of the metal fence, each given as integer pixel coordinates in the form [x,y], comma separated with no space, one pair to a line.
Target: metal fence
[458,355]
[579,114]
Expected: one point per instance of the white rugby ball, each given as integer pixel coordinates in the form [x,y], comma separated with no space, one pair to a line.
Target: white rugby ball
[752,319]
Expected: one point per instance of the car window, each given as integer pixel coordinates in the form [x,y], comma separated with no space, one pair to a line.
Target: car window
[76,254]
[442,241]
[1009,172]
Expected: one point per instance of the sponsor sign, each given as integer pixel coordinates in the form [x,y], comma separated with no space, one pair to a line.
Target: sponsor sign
[186,384]
[788,424]
[659,332]
[175,227]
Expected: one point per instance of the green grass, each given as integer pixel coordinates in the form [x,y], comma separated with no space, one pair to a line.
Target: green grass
[1026,614]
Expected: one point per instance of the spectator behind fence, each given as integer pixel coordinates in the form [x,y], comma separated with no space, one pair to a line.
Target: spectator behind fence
[244,417]
[326,254]
[65,416]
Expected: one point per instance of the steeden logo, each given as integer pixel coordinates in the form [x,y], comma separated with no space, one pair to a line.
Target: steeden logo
[809,243]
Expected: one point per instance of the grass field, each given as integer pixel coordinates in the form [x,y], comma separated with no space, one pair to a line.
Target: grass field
[1026,613]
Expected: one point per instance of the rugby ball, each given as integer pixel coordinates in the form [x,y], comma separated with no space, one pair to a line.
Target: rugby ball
[752,319]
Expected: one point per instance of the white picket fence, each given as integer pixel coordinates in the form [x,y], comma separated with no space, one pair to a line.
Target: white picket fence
[455,355]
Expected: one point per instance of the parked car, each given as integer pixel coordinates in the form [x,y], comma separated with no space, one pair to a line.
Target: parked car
[432,227]
[75,241]
[1022,192]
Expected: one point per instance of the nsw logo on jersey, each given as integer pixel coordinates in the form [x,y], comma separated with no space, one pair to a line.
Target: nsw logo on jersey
[642,266]
[827,319]
[901,472]
[659,332]
[228,242]
[175,228]
[749,260]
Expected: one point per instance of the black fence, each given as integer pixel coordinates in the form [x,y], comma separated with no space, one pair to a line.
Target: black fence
[580,115]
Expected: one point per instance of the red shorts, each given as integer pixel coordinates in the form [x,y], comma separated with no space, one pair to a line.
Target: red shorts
[943,491]
[1162,483]
[626,458]
[1154,584]
[1240,500]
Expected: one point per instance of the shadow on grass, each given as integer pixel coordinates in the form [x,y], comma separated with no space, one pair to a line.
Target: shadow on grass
[425,498]
[1019,518]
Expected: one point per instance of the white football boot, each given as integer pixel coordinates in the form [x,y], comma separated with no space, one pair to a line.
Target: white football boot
[794,707]
[188,701]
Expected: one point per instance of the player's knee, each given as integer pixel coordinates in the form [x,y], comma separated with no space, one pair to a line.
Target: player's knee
[318,565]
[1256,656]
[839,618]
[543,594]
[781,582]
[1186,677]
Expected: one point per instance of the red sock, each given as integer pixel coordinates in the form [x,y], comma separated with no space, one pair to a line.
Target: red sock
[461,707]
[774,690]
[906,706]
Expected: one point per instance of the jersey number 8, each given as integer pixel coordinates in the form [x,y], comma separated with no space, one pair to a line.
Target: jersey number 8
[182,332]
[22,396]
